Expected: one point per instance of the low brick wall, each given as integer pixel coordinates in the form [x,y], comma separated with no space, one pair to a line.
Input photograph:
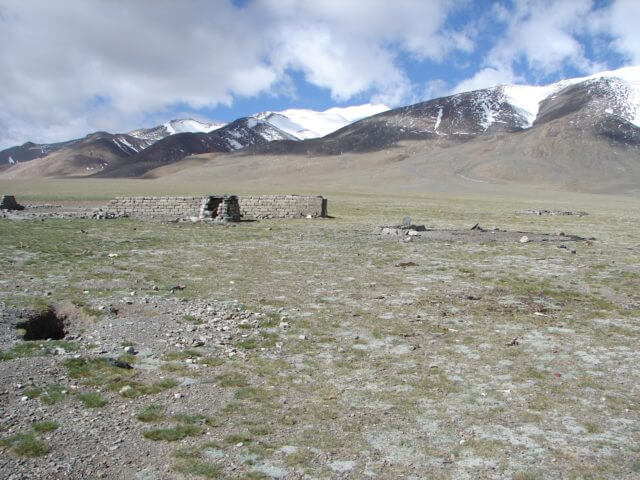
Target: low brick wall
[282,206]
[251,206]
[155,207]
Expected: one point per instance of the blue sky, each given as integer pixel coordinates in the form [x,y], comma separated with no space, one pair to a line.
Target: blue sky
[73,67]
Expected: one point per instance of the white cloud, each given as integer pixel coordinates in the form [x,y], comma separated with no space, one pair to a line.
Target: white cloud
[622,24]
[72,67]
[487,77]
[541,34]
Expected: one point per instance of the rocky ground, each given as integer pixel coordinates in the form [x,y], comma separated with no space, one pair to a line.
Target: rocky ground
[322,348]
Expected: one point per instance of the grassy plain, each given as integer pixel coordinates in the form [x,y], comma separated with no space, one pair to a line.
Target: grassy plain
[477,360]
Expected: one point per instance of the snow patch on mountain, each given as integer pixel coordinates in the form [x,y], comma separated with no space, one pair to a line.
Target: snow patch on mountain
[303,124]
[191,125]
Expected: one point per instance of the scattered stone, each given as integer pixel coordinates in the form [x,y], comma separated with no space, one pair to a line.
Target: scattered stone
[126,389]
[130,349]
[553,212]
[524,239]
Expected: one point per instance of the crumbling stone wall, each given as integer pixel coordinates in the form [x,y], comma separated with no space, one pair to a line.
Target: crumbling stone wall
[251,206]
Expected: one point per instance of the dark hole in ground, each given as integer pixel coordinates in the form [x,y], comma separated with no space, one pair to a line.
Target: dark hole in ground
[43,325]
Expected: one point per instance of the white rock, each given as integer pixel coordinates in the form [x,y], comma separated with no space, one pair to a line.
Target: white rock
[125,389]
[524,239]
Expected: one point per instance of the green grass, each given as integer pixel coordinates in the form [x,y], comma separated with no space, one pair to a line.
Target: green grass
[174,433]
[181,355]
[189,461]
[36,348]
[232,379]
[44,426]
[91,399]
[236,438]
[25,444]
[192,319]
[152,413]
[211,361]
[282,395]
[98,372]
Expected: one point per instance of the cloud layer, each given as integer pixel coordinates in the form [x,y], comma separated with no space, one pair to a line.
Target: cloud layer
[70,68]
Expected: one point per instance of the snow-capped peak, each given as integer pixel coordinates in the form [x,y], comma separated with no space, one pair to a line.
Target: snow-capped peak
[304,123]
[190,125]
[526,98]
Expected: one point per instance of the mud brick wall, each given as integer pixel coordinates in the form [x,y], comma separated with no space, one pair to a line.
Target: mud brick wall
[251,206]
[155,207]
[281,206]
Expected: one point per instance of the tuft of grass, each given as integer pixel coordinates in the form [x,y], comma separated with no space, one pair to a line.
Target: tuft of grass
[174,367]
[152,413]
[183,355]
[25,445]
[237,438]
[91,399]
[192,319]
[232,379]
[255,394]
[593,428]
[197,467]
[211,361]
[52,394]
[175,433]
[139,389]
[256,475]
[33,393]
[128,358]
[44,426]
[36,348]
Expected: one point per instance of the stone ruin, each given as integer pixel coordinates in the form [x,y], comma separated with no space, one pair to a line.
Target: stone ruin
[221,209]
[407,232]
[8,202]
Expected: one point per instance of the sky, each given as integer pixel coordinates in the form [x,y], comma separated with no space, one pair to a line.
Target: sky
[71,67]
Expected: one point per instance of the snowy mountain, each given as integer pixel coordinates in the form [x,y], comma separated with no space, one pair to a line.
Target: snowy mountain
[304,124]
[172,127]
[605,104]
[572,127]
[292,124]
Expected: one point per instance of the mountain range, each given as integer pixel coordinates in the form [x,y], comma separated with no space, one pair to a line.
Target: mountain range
[581,133]
[135,152]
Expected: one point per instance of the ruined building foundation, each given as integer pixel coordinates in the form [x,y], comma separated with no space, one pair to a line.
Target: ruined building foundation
[220,207]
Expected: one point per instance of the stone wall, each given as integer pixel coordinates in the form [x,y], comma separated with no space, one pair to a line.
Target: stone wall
[282,206]
[251,206]
[155,207]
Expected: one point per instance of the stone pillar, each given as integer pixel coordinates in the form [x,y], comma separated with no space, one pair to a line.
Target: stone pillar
[228,210]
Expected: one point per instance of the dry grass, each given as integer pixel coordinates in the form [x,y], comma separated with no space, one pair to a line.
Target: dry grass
[387,369]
